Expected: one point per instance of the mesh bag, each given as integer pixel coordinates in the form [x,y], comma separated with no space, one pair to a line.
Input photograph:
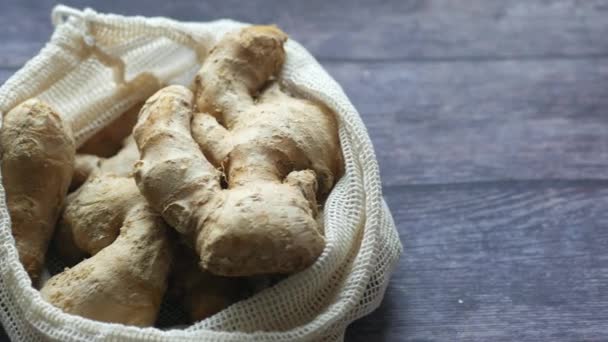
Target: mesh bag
[95,67]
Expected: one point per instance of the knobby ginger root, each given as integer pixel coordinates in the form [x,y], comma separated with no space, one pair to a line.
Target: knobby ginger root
[124,282]
[94,213]
[120,164]
[86,165]
[125,279]
[37,161]
[280,154]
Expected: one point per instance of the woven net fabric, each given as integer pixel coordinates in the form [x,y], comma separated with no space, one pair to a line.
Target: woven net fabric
[95,67]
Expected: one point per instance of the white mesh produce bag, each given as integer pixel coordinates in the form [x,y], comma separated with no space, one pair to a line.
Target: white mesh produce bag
[94,68]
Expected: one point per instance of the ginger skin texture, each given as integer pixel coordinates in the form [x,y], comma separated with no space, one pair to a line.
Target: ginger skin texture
[37,161]
[94,213]
[124,282]
[279,154]
[120,164]
[84,166]
[125,279]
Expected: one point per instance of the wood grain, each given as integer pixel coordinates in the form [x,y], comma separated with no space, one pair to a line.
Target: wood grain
[479,121]
[497,261]
[364,29]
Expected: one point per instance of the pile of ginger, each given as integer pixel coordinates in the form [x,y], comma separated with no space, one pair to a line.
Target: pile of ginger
[216,188]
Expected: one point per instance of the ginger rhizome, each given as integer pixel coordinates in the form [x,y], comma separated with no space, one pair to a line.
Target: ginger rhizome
[124,282]
[37,161]
[125,279]
[279,155]
[94,213]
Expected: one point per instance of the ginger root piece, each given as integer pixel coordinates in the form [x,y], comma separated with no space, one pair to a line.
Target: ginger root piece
[121,164]
[109,140]
[280,154]
[94,213]
[107,217]
[37,161]
[201,293]
[84,165]
[123,283]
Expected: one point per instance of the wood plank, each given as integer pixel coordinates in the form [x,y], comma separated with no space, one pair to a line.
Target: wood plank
[355,30]
[478,121]
[502,261]
[5,74]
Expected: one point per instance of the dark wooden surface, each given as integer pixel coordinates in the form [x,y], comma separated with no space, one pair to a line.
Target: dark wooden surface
[490,121]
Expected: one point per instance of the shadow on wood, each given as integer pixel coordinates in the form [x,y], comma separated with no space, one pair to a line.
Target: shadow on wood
[376,326]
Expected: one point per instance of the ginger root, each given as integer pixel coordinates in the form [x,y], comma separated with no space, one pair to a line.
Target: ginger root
[125,279]
[37,161]
[94,213]
[121,164]
[123,283]
[280,155]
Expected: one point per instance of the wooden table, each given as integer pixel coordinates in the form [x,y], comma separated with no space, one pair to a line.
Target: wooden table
[490,121]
